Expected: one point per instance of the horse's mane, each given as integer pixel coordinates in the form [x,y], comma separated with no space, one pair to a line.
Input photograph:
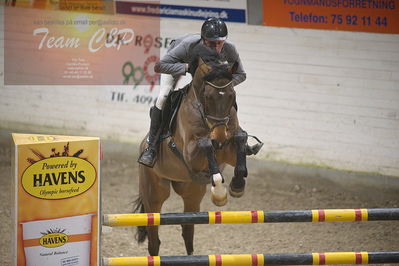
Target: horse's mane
[219,65]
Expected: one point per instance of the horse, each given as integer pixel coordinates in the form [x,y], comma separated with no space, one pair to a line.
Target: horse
[206,137]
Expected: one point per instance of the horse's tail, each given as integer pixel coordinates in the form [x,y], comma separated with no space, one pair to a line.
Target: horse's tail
[141,234]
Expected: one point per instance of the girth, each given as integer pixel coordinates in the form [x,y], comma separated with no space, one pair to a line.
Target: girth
[202,177]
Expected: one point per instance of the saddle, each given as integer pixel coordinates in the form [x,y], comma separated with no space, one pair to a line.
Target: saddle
[169,112]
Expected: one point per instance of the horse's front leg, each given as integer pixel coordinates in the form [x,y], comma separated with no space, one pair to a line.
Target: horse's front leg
[237,184]
[219,193]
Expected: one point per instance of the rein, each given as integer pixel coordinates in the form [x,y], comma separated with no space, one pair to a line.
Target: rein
[218,87]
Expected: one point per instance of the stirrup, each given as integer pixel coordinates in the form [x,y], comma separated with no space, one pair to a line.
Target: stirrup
[254,149]
[148,157]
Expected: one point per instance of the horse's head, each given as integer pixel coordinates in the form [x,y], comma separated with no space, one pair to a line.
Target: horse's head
[212,82]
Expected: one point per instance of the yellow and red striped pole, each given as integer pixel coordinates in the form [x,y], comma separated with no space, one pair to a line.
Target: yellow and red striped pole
[233,217]
[343,215]
[260,259]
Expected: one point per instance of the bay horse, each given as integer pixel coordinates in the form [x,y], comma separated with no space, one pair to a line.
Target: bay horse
[207,136]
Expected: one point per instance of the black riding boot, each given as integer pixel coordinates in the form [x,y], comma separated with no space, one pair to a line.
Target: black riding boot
[149,155]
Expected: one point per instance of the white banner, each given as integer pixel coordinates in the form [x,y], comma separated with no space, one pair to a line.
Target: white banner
[236,4]
[228,10]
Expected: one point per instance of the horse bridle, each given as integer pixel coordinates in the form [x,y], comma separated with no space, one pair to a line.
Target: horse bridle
[219,121]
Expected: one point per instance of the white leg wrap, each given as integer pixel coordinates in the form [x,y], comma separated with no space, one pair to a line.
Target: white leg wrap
[219,192]
[166,86]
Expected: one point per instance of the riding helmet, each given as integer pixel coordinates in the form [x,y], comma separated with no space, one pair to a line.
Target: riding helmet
[214,29]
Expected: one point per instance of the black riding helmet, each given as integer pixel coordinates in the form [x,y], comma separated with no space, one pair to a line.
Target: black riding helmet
[214,29]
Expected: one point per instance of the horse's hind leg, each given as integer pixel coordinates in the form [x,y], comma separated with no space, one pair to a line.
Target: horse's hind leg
[192,195]
[154,191]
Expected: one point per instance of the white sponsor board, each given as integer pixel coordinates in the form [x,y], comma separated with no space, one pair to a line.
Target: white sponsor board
[228,10]
[238,4]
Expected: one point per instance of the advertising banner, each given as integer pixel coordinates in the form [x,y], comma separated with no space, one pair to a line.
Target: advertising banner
[92,6]
[228,10]
[379,16]
[52,47]
[56,183]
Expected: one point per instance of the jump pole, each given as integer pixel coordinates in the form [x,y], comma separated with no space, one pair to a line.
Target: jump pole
[259,259]
[243,217]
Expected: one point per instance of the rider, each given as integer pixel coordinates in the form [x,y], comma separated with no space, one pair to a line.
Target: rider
[175,64]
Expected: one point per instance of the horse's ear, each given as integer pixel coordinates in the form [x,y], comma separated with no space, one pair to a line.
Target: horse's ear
[233,68]
[203,66]
[200,61]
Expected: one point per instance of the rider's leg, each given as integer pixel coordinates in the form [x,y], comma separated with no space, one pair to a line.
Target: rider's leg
[167,84]
[149,155]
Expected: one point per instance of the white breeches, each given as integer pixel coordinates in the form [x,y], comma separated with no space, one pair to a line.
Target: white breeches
[165,87]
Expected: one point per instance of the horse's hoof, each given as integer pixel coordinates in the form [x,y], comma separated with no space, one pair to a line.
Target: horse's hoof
[236,194]
[219,201]
[237,191]
[218,191]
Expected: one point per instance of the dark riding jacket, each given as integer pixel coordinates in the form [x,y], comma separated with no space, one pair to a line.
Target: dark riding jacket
[179,52]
